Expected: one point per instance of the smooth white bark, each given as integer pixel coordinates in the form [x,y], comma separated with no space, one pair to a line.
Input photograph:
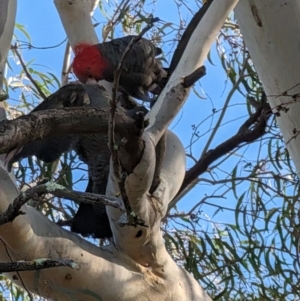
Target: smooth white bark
[76,19]
[8,11]
[148,247]
[104,273]
[271,31]
[34,236]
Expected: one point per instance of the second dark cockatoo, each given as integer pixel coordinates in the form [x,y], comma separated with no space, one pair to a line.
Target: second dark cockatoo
[141,70]
[92,149]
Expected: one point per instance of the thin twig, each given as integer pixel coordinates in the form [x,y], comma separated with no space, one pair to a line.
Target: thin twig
[225,107]
[113,21]
[111,129]
[14,209]
[26,45]
[252,129]
[14,49]
[33,265]
[66,65]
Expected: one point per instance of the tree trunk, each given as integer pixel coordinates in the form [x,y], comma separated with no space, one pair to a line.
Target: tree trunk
[271,31]
[8,10]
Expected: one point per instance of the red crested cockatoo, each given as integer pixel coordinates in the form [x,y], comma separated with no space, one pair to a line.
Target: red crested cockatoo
[141,70]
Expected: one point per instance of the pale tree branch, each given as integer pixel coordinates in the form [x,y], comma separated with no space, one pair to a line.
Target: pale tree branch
[114,149]
[175,94]
[34,236]
[139,182]
[7,23]
[43,239]
[81,31]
